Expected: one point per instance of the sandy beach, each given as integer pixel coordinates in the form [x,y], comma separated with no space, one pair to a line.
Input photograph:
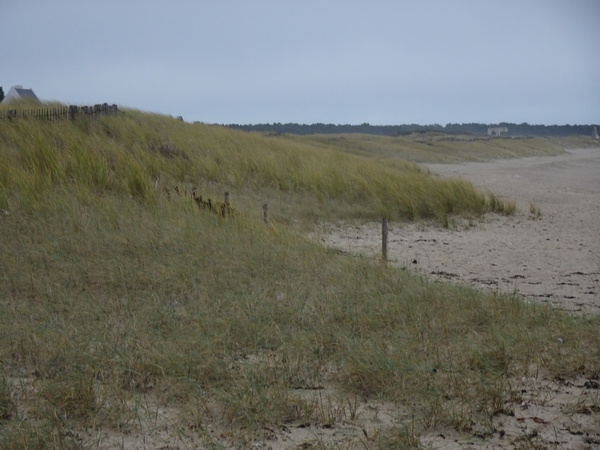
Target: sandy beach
[553,259]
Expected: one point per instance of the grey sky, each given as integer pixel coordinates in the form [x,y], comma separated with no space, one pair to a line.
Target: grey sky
[332,61]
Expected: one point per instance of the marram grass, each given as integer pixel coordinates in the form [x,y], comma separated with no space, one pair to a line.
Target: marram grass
[119,300]
[140,155]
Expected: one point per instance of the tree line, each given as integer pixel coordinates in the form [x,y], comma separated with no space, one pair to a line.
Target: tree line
[514,130]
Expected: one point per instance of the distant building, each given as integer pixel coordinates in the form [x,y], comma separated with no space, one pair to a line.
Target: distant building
[496,131]
[18,93]
[595,133]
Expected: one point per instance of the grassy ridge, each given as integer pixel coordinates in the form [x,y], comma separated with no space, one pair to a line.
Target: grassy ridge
[119,301]
[134,153]
[442,148]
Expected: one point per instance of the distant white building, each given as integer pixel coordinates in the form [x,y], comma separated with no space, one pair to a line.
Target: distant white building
[496,131]
[19,93]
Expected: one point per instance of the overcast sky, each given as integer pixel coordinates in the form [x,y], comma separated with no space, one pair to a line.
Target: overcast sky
[308,61]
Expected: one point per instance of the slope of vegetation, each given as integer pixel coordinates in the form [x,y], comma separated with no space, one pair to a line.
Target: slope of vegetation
[127,311]
[133,154]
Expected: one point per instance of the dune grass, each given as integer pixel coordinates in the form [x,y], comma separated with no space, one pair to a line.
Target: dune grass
[141,155]
[126,310]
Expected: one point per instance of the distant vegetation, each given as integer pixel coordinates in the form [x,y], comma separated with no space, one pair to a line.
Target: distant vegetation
[516,130]
[444,148]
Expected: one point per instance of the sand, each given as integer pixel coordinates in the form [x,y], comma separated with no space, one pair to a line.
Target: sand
[553,259]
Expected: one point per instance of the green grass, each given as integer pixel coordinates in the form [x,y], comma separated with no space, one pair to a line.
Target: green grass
[121,300]
[134,153]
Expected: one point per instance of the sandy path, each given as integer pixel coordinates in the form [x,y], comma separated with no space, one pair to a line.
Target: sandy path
[553,259]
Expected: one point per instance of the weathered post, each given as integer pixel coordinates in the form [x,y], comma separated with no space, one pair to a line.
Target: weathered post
[265,213]
[226,209]
[384,238]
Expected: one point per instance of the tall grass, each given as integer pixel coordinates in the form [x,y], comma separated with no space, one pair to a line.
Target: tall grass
[121,301]
[132,153]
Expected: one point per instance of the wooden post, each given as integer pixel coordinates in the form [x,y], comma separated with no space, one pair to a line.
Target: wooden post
[226,210]
[384,238]
[265,213]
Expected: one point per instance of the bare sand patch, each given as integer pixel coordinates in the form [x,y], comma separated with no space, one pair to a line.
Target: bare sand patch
[553,259]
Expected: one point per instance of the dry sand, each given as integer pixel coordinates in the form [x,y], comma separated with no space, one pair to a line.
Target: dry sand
[552,259]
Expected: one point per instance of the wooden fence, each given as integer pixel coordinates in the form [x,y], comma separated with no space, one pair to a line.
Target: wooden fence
[56,113]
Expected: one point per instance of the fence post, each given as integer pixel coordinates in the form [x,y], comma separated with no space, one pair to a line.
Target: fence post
[384,238]
[226,210]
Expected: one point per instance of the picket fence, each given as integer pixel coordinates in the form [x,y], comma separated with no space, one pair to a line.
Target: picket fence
[56,113]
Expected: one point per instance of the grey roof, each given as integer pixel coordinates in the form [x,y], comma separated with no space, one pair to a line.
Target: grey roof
[19,93]
[26,93]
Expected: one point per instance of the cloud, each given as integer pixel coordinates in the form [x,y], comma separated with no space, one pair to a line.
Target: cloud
[334,61]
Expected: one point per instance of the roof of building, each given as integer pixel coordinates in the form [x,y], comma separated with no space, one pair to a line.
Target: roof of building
[20,92]
[26,93]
